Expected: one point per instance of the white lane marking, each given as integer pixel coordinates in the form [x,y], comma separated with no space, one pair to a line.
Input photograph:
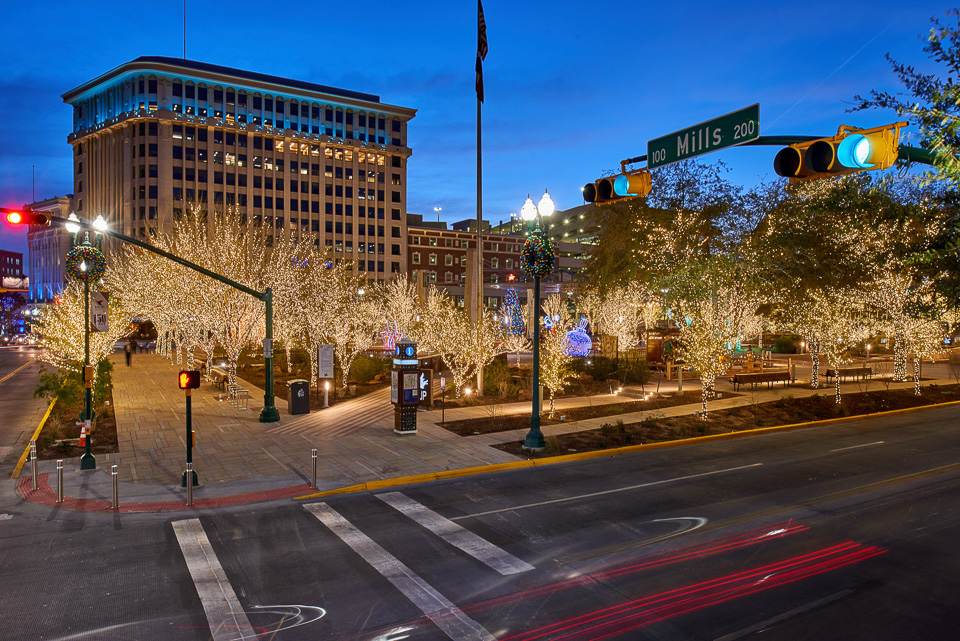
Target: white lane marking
[853,447]
[448,617]
[456,535]
[224,614]
[592,494]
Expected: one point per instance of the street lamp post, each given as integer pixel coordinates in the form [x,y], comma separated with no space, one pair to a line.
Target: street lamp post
[86,272]
[535,264]
[438,210]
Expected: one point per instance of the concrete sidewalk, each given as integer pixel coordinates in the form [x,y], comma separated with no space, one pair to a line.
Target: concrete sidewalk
[240,460]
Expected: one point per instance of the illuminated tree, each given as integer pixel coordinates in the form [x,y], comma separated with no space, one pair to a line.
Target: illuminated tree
[62,330]
[710,327]
[924,338]
[555,362]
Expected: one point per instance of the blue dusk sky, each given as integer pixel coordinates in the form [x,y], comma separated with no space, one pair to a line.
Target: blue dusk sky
[571,88]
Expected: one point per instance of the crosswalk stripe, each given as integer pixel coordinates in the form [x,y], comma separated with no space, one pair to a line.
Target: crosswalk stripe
[448,617]
[456,535]
[224,614]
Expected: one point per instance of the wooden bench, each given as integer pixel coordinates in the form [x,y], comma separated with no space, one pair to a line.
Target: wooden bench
[844,372]
[760,377]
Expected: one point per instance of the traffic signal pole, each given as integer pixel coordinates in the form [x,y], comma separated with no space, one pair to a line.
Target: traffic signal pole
[269,413]
[912,154]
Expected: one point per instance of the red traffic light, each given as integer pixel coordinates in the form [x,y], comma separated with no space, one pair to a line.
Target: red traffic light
[17,217]
[189,379]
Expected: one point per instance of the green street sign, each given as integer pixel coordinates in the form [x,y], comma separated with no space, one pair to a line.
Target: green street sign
[730,130]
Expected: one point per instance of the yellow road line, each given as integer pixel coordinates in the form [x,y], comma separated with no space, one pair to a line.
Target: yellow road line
[26,452]
[17,370]
[581,456]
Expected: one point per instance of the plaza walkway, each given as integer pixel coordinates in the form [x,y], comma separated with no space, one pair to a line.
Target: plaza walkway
[239,459]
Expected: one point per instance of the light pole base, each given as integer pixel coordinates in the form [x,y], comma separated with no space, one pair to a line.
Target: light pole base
[534,441]
[88,461]
[269,414]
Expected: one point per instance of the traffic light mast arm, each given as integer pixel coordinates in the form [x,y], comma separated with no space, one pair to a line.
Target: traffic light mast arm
[913,154]
[186,263]
[269,413]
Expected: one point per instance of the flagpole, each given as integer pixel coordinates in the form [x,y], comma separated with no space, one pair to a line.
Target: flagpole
[481,54]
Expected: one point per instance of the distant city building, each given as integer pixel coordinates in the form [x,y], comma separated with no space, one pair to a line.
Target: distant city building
[47,247]
[11,264]
[577,225]
[156,136]
[440,256]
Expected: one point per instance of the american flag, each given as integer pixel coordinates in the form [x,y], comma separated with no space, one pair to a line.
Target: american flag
[481,48]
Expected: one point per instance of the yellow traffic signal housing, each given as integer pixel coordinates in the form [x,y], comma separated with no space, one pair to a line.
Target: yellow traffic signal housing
[850,151]
[633,184]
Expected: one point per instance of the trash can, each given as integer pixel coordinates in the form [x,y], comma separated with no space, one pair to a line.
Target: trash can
[298,396]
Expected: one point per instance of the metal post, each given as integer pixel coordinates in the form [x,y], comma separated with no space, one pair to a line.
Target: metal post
[33,464]
[59,480]
[534,439]
[679,380]
[193,477]
[116,493]
[313,455]
[189,473]
[326,394]
[269,413]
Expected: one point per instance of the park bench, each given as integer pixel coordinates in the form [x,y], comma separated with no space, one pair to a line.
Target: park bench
[760,377]
[219,376]
[844,372]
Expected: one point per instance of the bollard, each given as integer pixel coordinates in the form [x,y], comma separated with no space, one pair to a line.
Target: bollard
[313,453]
[33,463]
[59,480]
[116,494]
[189,475]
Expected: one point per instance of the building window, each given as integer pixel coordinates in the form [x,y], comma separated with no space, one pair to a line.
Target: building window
[433,259]
[448,260]
[448,277]
[416,258]
[494,263]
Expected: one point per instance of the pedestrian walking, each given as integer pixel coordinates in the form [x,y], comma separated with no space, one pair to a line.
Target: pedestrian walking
[128,351]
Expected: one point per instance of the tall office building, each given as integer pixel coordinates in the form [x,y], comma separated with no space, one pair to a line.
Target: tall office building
[158,136]
[48,246]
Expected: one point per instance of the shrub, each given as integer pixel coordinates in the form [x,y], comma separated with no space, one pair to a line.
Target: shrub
[497,378]
[364,368]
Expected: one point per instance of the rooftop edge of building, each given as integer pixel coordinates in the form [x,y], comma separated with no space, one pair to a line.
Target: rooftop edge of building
[173,65]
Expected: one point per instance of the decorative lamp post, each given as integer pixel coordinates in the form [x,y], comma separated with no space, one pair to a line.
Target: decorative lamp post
[438,210]
[536,260]
[86,263]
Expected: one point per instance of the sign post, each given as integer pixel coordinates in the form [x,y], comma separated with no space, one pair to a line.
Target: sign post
[325,370]
[729,130]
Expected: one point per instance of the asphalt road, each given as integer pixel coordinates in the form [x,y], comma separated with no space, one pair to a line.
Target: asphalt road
[837,532]
[20,412]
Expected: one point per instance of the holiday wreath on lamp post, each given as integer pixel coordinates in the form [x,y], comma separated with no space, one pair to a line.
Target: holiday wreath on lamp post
[85,263]
[538,256]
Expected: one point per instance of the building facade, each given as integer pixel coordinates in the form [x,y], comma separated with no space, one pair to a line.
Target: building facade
[47,246]
[440,256]
[11,264]
[158,137]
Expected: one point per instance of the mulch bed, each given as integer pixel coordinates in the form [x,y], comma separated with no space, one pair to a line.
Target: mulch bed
[785,411]
[57,439]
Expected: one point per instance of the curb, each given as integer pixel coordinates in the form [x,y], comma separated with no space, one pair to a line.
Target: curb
[36,433]
[582,456]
